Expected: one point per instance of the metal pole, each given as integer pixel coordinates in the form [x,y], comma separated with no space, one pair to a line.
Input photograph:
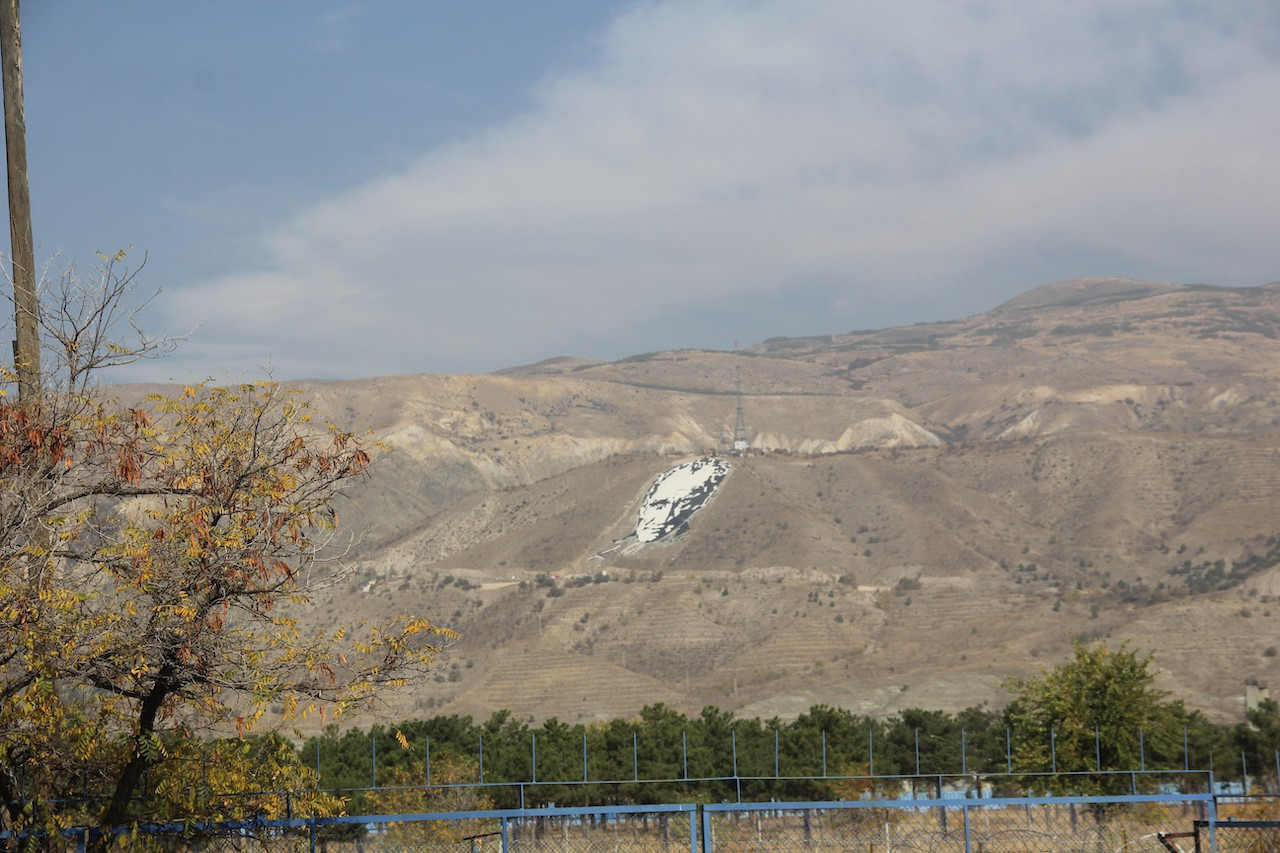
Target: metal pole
[733,737]
[1186,751]
[373,744]
[533,754]
[917,752]
[428,759]
[1053,747]
[1142,751]
[1097,748]
[1008,751]
[481,759]
[964,757]
[1212,809]
[871,751]
[635,757]
[584,756]
[824,753]
[684,751]
[776,774]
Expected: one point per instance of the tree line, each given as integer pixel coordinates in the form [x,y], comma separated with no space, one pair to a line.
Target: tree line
[148,549]
[1097,711]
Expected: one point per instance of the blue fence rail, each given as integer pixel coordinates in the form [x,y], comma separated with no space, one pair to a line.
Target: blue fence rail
[1099,823]
[669,826]
[977,823]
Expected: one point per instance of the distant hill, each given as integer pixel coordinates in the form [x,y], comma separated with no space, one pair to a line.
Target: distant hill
[926,510]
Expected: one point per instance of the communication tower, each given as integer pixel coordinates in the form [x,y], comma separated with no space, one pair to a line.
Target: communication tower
[740,441]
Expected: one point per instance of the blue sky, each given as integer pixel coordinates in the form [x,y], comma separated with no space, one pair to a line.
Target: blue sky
[338,189]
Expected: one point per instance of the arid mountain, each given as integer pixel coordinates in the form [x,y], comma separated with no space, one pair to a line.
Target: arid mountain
[924,511]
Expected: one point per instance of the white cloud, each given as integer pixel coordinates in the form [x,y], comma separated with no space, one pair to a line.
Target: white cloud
[896,158]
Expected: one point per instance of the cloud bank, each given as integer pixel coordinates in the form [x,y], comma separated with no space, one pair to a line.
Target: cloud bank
[728,170]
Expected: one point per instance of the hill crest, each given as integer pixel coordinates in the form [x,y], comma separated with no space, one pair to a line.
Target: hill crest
[925,511]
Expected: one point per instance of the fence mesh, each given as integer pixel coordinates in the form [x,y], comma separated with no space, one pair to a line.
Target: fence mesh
[1130,827]
[535,834]
[589,832]
[1155,823]
[1241,836]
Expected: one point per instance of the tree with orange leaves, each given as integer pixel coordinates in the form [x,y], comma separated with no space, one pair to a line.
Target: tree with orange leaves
[145,555]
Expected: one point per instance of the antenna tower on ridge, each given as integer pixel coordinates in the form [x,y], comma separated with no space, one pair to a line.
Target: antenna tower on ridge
[740,441]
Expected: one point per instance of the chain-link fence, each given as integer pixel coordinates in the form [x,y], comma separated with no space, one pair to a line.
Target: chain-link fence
[977,821]
[625,829]
[1130,824]
[1243,824]
[1242,836]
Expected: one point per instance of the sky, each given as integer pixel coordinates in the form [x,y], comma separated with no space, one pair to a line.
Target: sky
[354,188]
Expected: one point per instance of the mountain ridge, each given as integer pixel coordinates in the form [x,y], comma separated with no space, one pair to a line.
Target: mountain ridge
[926,511]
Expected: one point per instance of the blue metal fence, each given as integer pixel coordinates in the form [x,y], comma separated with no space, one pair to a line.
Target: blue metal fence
[975,823]
[978,812]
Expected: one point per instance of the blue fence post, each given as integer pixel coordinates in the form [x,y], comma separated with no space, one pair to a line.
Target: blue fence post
[1212,810]
[733,737]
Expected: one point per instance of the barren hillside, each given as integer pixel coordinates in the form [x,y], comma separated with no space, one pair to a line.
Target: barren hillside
[924,511]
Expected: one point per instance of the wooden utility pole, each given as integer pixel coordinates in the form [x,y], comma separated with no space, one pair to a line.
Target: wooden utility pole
[26,345]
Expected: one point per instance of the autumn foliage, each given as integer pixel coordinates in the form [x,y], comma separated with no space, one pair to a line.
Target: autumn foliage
[148,555]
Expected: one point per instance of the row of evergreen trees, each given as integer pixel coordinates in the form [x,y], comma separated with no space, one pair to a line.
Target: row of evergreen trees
[1097,711]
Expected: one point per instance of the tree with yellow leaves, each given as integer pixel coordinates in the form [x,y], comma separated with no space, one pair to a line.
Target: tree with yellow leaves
[145,555]
[452,790]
